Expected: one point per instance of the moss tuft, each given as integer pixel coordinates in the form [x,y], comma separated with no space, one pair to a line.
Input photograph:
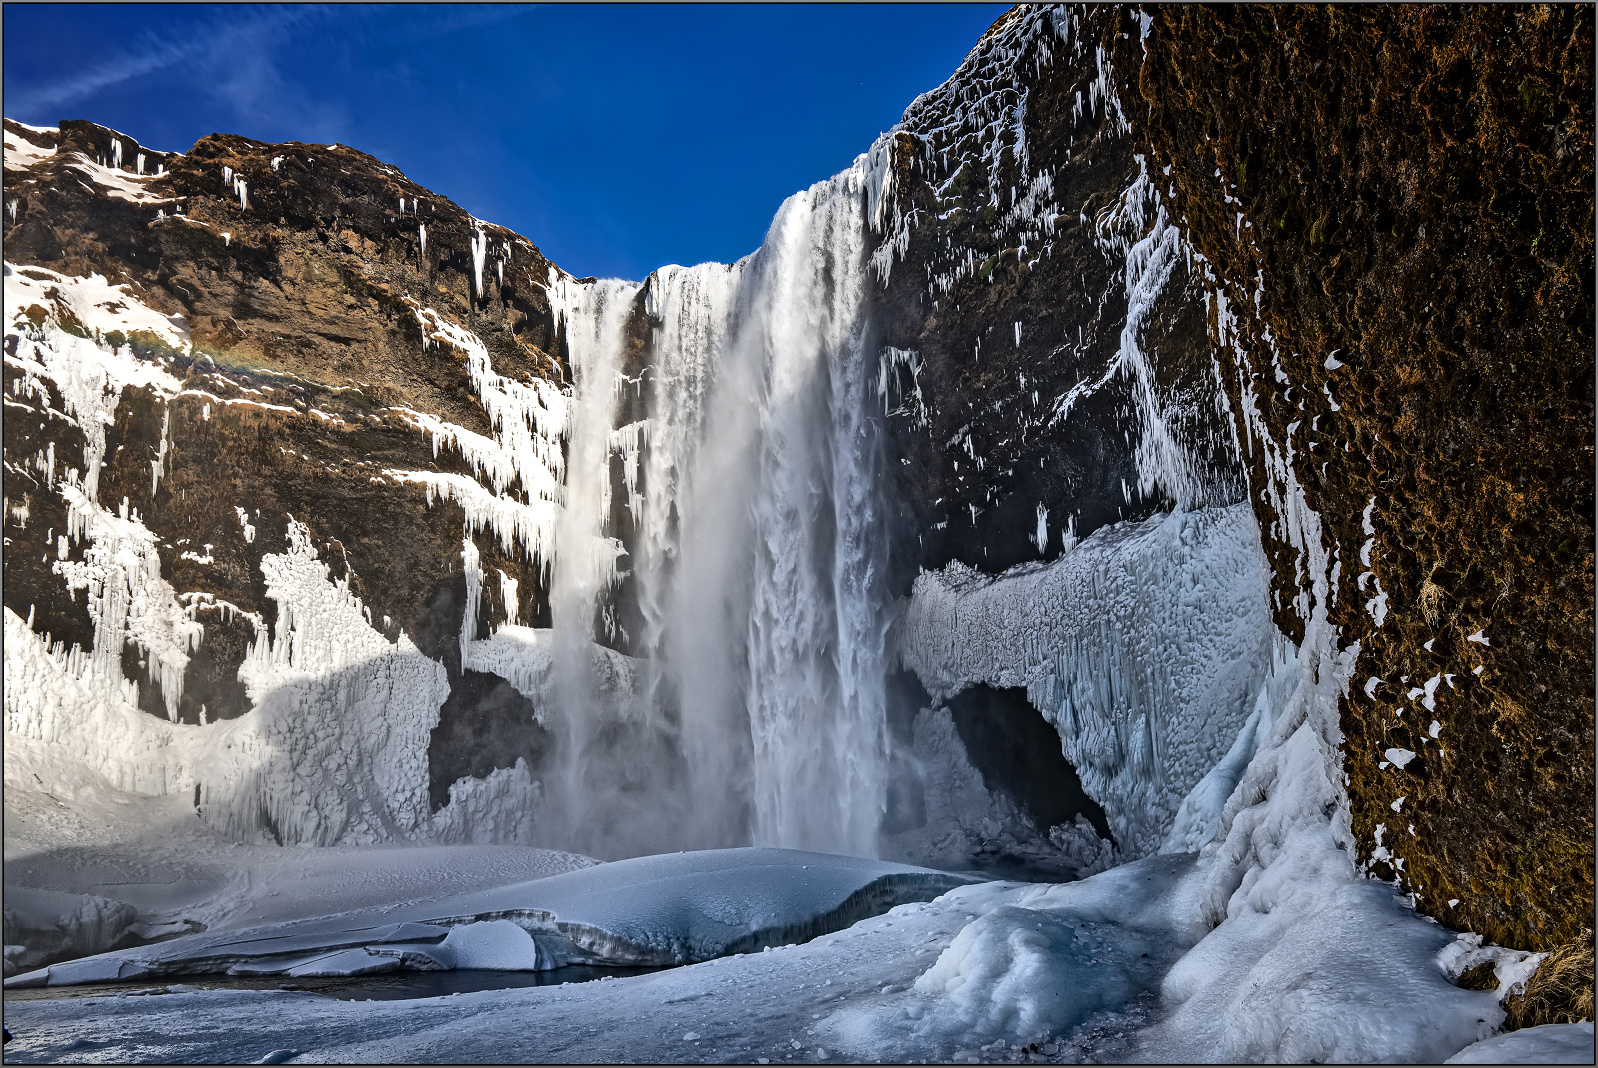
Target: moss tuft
[1559,991]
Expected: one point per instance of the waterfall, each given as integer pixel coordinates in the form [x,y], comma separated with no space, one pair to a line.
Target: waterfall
[759,553]
[594,316]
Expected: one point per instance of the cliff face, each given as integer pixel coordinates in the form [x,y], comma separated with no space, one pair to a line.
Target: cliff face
[1051,372]
[300,387]
[1415,251]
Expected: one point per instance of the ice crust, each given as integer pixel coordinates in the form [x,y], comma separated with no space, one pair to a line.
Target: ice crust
[676,908]
[1547,1044]
[1145,646]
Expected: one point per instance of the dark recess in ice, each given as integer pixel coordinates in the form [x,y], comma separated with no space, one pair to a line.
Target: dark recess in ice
[484,725]
[1019,756]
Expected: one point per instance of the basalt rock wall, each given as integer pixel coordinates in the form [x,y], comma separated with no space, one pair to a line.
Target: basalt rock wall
[1401,201]
[1020,402]
[297,272]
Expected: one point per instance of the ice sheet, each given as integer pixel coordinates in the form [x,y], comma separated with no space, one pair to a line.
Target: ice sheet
[671,909]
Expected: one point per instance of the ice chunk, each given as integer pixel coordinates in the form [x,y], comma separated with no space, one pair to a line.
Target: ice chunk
[1399,757]
[90,970]
[496,945]
[345,962]
[1020,971]
[1546,1044]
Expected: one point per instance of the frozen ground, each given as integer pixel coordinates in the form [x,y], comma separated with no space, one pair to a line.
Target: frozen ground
[994,972]
[84,859]
[674,908]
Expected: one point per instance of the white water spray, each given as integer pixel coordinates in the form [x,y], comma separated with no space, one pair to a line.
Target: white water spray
[594,317]
[759,570]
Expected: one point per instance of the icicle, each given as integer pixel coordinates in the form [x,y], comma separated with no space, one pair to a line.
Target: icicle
[479,251]
[507,594]
[157,465]
[471,567]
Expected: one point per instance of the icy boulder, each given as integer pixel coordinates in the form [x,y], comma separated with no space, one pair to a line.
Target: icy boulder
[677,908]
[1024,972]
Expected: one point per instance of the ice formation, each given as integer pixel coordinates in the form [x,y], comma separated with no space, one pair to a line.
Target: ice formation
[1145,646]
[335,749]
[677,908]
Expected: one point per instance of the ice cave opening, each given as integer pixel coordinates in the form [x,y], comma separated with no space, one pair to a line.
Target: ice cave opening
[1018,753]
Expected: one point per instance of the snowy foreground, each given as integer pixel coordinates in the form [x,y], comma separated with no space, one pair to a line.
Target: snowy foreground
[1120,966]
[677,908]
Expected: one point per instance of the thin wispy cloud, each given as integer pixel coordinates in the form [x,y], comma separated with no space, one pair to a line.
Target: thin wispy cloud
[239,57]
[240,36]
[464,18]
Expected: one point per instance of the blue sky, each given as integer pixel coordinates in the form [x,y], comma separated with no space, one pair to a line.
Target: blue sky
[616,138]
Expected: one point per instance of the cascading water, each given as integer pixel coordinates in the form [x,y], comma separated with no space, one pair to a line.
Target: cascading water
[759,553]
[595,317]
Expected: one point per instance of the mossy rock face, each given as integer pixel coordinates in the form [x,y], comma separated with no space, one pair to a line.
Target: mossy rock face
[1443,157]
